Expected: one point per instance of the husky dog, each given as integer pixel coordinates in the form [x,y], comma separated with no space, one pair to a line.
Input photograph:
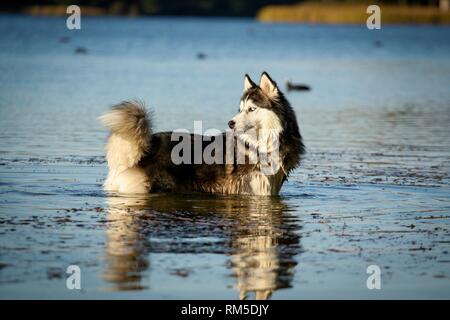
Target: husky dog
[141,161]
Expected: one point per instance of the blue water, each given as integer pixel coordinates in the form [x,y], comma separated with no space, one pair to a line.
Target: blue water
[373,188]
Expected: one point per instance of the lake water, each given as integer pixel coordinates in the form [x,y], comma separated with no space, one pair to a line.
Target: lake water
[373,188]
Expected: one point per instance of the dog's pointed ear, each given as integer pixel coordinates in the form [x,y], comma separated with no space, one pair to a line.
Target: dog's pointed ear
[268,86]
[248,83]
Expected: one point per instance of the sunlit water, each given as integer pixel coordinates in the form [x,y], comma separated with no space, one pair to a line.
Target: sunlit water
[372,190]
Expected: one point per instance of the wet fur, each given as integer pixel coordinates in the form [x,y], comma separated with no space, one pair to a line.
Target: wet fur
[140,161]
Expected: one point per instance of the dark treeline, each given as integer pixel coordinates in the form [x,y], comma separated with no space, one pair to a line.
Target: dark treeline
[179,7]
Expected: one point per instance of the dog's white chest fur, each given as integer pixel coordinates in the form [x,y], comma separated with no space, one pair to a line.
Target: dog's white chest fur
[256,183]
[263,185]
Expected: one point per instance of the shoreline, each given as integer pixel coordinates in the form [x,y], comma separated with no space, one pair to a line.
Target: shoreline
[351,14]
[306,13]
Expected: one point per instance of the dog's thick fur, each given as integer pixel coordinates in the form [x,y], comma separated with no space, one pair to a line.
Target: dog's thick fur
[140,161]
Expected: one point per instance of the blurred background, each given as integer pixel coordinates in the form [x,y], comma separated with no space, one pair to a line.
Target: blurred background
[322,11]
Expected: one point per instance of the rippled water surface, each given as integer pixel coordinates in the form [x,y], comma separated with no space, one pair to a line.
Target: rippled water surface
[373,188]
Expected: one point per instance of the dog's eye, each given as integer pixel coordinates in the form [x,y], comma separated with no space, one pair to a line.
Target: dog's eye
[251,109]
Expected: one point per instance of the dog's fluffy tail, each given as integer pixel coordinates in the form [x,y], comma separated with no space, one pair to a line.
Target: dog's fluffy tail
[131,128]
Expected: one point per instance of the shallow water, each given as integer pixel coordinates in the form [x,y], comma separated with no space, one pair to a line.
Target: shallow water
[373,188]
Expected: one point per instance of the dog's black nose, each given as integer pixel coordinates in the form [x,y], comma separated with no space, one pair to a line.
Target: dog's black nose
[231,124]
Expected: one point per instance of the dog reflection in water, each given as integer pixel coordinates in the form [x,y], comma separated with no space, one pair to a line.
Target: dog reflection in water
[256,259]
[258,233]
[127,245]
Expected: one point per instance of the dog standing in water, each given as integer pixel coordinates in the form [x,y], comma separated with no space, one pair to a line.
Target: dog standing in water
[255,157]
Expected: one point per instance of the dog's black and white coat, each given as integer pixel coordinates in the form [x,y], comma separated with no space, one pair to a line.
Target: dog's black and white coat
[140,161]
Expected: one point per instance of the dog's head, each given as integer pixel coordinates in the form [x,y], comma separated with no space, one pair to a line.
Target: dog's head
[257,110]
[267,123]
